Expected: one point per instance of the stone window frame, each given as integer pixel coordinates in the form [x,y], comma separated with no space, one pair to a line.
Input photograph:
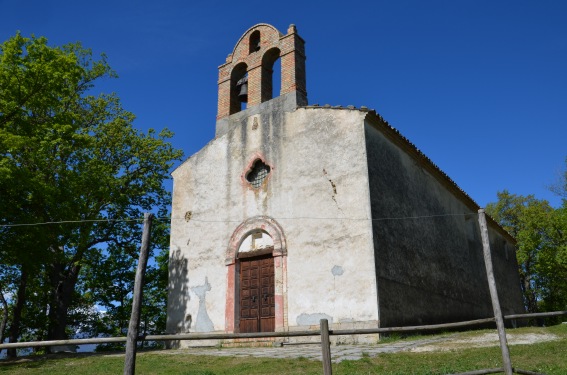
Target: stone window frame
[262,172]
[253,160]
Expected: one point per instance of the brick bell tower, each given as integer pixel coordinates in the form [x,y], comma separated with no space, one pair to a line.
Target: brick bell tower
[245,79]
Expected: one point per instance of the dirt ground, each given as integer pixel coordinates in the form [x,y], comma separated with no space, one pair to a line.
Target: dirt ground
[486,339]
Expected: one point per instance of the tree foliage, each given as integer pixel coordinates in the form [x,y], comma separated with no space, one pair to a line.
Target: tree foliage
[541,232]
[560,186]
[68,155]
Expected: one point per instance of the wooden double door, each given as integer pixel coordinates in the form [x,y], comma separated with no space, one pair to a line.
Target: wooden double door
[256,297]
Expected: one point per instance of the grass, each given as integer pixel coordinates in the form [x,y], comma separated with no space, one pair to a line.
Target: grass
[396,337]
[546,357]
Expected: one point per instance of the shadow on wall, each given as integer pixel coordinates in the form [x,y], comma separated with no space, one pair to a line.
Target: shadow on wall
[178,296]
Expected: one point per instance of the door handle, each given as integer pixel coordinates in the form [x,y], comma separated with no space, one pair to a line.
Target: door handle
[253,298]
[265,296]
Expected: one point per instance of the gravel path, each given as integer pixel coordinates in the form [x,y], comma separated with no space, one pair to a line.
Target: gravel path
[354,352]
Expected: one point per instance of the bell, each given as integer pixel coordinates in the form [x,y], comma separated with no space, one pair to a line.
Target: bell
[256,45]
[243,89]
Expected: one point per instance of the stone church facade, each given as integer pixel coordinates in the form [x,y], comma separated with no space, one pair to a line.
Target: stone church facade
[294,213]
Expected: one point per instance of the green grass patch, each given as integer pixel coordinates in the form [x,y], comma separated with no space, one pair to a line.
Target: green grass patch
[545,357]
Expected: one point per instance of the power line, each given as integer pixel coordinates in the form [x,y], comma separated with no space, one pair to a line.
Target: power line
[238,221]
[334,218]
[68,222]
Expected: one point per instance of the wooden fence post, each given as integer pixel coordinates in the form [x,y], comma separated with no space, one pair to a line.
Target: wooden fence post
[132,339]
[494,293]
[326,347]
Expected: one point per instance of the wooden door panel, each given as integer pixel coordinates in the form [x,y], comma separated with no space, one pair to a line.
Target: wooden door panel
[257,302]
[248,325]
[267,324]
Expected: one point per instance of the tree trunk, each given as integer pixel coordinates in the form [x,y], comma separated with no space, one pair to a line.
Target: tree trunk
[42,334]
[18,309]
[4,316]
[531,300]
[63,283]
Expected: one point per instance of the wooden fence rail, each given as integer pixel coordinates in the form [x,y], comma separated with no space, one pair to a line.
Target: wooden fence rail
[535,315]
[324,332]
[229,336]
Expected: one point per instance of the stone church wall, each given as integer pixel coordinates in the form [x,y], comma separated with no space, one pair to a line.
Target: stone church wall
[330,263]
[431,269]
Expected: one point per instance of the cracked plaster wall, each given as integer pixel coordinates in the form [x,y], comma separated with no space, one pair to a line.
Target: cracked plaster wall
[317,191]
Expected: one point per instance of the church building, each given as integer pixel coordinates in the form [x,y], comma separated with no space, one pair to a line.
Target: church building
[298,212]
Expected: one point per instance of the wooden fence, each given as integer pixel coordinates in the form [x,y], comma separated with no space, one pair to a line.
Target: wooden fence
[324,332]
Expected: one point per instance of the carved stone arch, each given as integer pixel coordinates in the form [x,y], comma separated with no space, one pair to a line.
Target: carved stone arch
[253,224]
[279,253]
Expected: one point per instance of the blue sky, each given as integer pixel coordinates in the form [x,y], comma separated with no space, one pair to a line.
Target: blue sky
[479,86]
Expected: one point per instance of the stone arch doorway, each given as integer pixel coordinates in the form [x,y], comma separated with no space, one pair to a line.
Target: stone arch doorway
[263,263]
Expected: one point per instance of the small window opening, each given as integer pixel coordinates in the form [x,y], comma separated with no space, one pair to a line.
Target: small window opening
[258,173]
[254,43]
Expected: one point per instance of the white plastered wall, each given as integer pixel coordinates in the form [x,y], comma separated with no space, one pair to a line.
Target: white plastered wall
[317,191]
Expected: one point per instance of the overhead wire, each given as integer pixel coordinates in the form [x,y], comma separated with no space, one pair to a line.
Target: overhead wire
[164,218]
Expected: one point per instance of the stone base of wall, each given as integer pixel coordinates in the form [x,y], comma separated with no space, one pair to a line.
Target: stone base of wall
[279,341]
[336,340]
[235,343]
[240,343]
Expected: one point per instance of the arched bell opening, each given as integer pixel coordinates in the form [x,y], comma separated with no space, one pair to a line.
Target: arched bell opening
[238,88]
[254,43]
[262,49]
[271,83]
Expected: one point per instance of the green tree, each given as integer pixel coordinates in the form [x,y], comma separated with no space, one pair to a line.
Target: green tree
[559,285]
[68,155]
[110,281]
[6,274]
[560,187]
[541,252]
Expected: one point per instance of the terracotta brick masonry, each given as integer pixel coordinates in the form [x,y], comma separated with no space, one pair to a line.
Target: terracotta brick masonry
[257,64]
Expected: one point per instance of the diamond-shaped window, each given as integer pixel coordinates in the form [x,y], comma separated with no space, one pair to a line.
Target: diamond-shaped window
[258,173]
